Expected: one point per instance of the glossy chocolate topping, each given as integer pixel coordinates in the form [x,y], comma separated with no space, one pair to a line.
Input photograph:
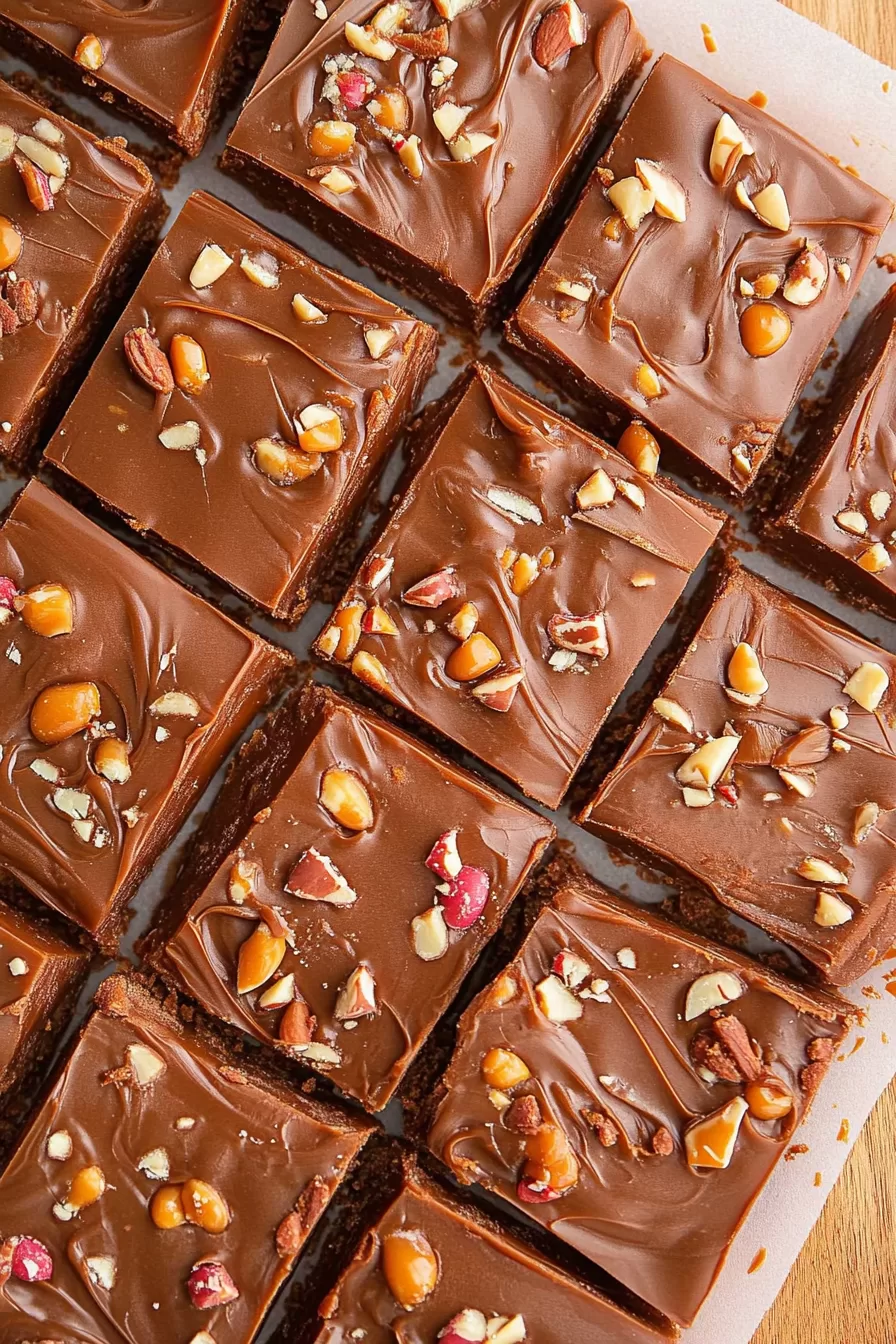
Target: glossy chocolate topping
[467,221]
[75,837]
[115,1273]
[164,56]
[671,294]
[750,845]
[416,797]
[64,254]
[36,969]
[497,452]
[265,366]
[847,506]
[477,1271]
[624,1082]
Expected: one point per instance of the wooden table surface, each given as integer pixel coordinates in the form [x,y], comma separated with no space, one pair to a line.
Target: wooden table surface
[842,1289]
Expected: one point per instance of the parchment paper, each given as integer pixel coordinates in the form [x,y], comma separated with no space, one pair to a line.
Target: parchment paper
[844,102]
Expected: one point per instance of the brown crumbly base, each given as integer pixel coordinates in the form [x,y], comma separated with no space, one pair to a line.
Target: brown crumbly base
[408,272]
[243,56]
[114,282]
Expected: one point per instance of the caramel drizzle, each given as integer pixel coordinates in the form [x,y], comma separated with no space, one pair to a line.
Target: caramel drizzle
[262,327]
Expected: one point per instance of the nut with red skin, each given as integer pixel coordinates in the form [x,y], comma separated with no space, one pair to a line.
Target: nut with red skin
[8,594]
[433,590]
[36,184]
[532,1192]
[444,859]
[580,634]
[315,877]
[467,1327]
[354,88]
[466,897]
[498,693]
[30,1260]
[210,1285]
[357,998]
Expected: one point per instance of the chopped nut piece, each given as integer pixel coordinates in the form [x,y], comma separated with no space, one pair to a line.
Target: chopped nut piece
[210,1285]
[744,673]
[282,463]
[279,994]
[807,276]
[519,507]
[838,717]
[370,670]
[369,43]
[632,199]
[879,504]
[574,289]
[670,200]
[379,340]
[504,1069]
[705,767]
[430,934]
[175,703]
[580,634]
[144,1064]
[50,161]
[102,1270]
[61,711]
[411,156]
[556,1001]
[560,31]
[59,1145]
[377,621]
[332,139]
[36,184]
[148,361]
[376,571]
[710,1142]
[46,610]
[674,713]
[357,998]
[598,490]
[155,1164]
[865,820]
[89,52]
[819,870]
[7,142]
[523,1115]
[181,438]
[111,759]
[627,959]
[771,206]
[804,784]
[831,910]
[306,311]
[346,798]
[338,182]
[209,266]
[852,521]
[449,117]
[867,685]
[468,146]
[647,381]
[713,990]
[315,877]
[729,146]
[767,284]
[641,448]
[464,621]
[428,45]
[322,430]
[875,560]
[499,693]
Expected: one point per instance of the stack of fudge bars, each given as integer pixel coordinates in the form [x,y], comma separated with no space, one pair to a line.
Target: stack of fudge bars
[346,928]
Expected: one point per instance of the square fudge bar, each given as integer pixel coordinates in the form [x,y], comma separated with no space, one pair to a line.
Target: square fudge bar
[243,404]
[167,67]
[122,694]
[77,215]
[703,300]
[326,791]
[766,770]
[470,1281]
[40,975]
[518,584]
[160,1193]
[631,1087]
[839,519]
[431,140]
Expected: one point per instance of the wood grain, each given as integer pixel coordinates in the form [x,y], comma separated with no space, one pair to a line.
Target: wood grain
[842,1289]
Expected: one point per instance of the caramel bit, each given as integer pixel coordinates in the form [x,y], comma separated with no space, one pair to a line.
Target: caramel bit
[504,1069]
[758,99]
[410,1267]
[711,1141]
[189,367]
[764,329]
[10,243]
[550,1168]
[259,957]
[61,711]
[47,610]
[346,798]
[768,1098]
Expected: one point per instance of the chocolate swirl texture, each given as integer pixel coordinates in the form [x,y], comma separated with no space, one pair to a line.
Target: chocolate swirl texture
[495,438]
[456,234]
[748,845]
[37,972]
[137,636]
[416,797]
[72,254]
[164,61]
[638,1209]
[498,1276]
[840,516]
[265,366]
[267,1155]
[670,294]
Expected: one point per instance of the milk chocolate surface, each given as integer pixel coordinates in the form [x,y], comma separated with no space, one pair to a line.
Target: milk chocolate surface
[152,1108]
[266,366]
[479,1272]
[796,834]
[452,228]
[495,505]
[672,293]
[162,61]
[176,683]
[841,519]
[37,972]
[58,263]
[415,798]
[623,1059]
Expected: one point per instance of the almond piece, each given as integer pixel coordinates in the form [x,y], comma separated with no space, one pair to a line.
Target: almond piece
[148,361]
[346,798]
[831,911]
[306,311]
[867,685]
[580,634]
[282,463]
[357,998]
[175,703]
[729,146]
[499,693]
[875,560]
[556,1001]
[673,713]
[262,270]
[519,507]
[807,276]
[427,45]
[279,994]
[560,31]
[379,340]
[852,521]
[713,990]
[315,877]
[434,590]
[819,870]
[369,43]
[770,204]
[449,117]
[670,200]
[144,1063]
[338,182]
[633,201]
[430,934]
[598,490]
[209,266]
[464,621]
[322,430]
[367,668]
[705,767]
[865,820]
[181,438]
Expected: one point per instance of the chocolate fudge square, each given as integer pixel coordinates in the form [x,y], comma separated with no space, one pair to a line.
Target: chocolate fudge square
[432,141]
[432,1267]
[419,861]
[631,1087]
[161,1192]
[122,694]
[40,974]
[518,584]
[838,519]
[167,66]
[702,275]
[765,769]
[243,405]
[77,216]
